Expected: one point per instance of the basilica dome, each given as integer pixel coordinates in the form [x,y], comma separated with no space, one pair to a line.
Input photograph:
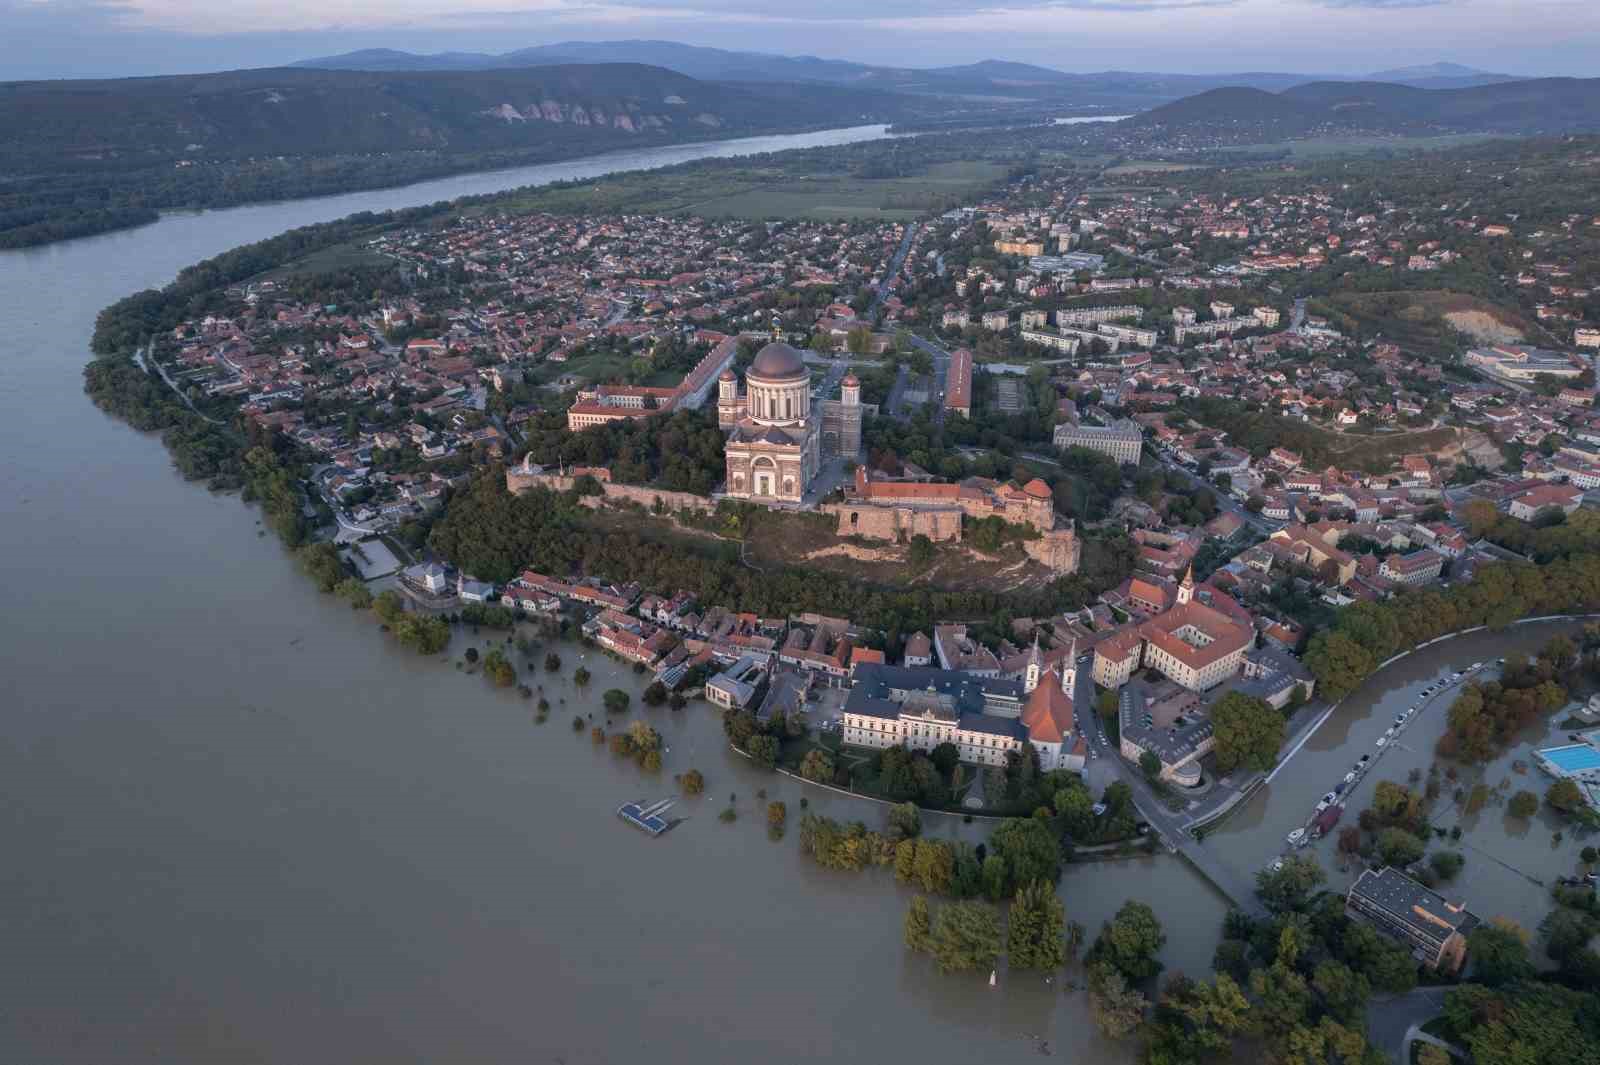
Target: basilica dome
[778,362]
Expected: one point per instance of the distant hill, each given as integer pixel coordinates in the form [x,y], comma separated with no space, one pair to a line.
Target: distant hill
[1541,105]
[1110,88]
[306,112]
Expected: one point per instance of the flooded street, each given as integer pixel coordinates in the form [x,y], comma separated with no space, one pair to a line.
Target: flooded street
[1506,857]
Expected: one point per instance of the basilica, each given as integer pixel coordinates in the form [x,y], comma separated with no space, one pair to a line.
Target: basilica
[774,447]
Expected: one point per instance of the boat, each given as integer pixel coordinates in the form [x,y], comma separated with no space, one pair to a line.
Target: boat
[1297,837]
[991,977]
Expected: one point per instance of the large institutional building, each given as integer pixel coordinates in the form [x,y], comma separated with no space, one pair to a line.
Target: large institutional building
[1122,441]
[985,718]
[1194,644]
[775,441]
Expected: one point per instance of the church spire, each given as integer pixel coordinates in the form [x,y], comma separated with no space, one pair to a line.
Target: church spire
[1035,665]
[1186,589]
[1069,669]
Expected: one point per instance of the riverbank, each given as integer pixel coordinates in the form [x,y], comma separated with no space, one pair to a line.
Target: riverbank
[352,174]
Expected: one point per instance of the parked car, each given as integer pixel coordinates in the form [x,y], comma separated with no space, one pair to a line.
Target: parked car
[1350,778]
[1382,740]
[1328,799]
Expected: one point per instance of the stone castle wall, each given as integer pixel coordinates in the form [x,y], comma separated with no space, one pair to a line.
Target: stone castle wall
[1059,549]
[644,495]
[876,522]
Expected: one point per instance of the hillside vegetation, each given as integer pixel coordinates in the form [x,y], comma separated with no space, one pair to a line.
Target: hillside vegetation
[86,156]
[1537,105]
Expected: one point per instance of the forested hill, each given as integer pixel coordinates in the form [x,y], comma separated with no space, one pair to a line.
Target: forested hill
[321,112]
[88,156]
[1539,105]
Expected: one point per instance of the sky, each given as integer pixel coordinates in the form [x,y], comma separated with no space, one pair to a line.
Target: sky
[100,38]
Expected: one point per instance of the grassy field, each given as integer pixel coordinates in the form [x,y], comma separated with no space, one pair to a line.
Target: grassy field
[766,192]
[1149,166]
[592,368]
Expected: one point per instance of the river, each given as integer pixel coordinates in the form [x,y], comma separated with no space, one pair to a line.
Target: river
[240,826]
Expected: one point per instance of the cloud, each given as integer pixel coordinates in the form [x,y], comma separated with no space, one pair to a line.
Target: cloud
[259,16]
[1383,3]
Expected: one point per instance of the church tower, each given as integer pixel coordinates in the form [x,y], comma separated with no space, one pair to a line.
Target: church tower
[1186,589]
[1069,670]
[1030,679]
[850,390]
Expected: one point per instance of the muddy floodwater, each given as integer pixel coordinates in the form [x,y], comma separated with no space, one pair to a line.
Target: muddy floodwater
[241,827]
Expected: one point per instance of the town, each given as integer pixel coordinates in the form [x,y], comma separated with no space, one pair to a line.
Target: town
[1186,432]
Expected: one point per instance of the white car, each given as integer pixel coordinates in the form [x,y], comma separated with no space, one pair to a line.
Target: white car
[1382,740]
[1329,798]
[1321,806]
[1349,778]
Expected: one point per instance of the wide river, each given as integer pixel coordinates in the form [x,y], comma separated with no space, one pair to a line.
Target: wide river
[241,827]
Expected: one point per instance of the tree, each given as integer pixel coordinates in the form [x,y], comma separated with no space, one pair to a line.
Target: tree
[580,676]
[1118,1009]
[654,694]
[966,936]
[935,865]
[1248,732]
[918,925]
[764,750]
[1338,662]
[355,592]
[1029,849]
[1399,848]
[945,757]
[1035,927]
[1075,806]
[424,635]
[905,822]
[552,662]
[777,814]
[615,700]
[1288,887]
[1130,942]
[905,860]
[693,782]
[498,668]
[1564,795]
[1523,804]
[1344,992]
[1428,1054]
[1499,953]
[1150,764]
[1566,931]
[817,766]
[1446,863]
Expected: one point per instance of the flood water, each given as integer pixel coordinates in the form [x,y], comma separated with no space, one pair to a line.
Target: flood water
[241,827]
[1510,861]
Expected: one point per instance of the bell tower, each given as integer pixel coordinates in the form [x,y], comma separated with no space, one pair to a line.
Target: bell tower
[1069,670]
[1186,589]
[1030,679]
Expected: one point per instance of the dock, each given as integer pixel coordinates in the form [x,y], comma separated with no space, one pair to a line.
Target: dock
[648,817]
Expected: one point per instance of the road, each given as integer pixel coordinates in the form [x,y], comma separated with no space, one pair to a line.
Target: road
[941,370]
[892,274]
[1224,501]
[1171,826]
[1391,1019]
